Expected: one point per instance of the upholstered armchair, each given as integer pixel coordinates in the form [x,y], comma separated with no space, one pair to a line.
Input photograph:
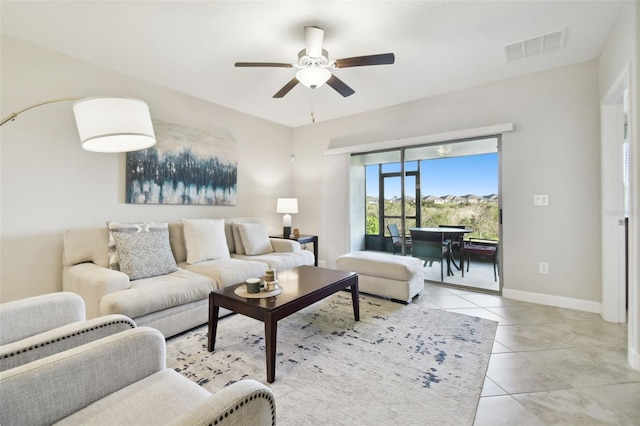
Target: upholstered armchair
[122,379]
[40,326]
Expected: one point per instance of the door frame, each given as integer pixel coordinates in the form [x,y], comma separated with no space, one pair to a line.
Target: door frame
[614,286]
[402,175]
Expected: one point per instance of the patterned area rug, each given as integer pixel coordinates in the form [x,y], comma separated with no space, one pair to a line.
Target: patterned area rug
[399,365]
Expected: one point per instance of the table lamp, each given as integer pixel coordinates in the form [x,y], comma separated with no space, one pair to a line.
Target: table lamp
[287,206]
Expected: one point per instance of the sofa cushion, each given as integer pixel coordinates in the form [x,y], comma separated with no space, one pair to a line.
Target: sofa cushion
[176,239]
[205,239]
[162,396]
[281,260]
[143,249]
[228,271]
[86,245]
[255,239]
[154,294]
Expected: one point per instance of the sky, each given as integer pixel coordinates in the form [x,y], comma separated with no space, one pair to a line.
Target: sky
[474,174]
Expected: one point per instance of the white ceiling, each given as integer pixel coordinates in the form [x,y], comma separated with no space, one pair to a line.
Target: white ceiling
[440,46]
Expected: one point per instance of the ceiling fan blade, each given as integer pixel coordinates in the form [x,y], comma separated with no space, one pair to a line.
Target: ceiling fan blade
[286,88]
[358,61]
[313,38]
[263,64]
[340,86]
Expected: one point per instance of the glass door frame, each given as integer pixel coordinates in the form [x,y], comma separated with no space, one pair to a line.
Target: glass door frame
[402,174]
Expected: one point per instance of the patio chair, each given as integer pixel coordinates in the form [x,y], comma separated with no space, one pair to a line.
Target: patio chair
[396,238]
[482,251]
[431,247]
[457,245]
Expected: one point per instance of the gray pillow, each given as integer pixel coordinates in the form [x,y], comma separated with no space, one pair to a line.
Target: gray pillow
[143,249]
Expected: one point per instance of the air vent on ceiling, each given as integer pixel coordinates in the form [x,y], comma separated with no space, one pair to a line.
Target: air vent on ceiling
[535,46]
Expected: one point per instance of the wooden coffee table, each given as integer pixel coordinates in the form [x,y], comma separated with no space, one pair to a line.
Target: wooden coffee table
[302,287]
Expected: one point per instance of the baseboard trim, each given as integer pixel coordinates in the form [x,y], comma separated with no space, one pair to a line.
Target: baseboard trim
[634,359]
[551,300]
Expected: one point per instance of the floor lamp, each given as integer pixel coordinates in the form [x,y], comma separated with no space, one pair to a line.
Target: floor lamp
[107,124]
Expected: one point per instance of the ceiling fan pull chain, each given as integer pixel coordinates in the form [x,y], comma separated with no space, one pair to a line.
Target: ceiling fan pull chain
[313,117]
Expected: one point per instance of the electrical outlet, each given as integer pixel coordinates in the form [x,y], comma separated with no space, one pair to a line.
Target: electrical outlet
[543,268]
[541,200]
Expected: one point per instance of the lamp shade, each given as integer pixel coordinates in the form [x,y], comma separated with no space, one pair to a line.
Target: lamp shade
[313,77]
[287,205]
[113,124]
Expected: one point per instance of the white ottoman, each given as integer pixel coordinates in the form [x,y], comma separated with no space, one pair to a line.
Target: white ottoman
[399,278]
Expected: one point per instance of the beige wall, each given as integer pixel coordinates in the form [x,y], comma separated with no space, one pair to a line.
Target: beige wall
[554,150]
[49,183]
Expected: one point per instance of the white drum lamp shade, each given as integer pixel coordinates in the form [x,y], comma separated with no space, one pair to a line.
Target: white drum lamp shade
[114,124]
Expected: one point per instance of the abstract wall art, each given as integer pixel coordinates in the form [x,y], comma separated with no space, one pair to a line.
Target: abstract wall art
[185,166]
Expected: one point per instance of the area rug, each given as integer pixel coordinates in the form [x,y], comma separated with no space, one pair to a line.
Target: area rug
[399,365]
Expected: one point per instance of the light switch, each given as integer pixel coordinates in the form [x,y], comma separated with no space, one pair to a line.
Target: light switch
[543,268]
[541,200]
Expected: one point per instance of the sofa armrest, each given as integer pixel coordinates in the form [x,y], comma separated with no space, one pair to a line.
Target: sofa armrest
[93,282]
[52,388]
[281,245]
[246,402]
[26,317]
[61,339]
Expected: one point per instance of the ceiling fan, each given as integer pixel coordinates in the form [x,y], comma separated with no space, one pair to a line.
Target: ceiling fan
[314,65]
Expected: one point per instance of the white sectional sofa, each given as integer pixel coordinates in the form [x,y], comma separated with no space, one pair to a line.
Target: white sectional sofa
[160,274]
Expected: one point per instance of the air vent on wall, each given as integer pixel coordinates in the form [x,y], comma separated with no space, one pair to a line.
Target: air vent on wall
[535,46]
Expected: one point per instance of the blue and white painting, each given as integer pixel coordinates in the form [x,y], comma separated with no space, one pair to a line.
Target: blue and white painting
[185,166]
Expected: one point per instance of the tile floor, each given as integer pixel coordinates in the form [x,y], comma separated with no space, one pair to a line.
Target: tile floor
[549,366]
[480,275]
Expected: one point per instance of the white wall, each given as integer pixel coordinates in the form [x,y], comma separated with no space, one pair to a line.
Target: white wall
[49,183]
[554,150]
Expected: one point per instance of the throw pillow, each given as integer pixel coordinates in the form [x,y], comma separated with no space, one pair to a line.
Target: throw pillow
[205,240]
[255,239]
[233,234]
[143,249]
[237,240]
[114,260]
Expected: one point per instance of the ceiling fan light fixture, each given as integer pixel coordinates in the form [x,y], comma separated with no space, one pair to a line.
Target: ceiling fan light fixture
[313,77]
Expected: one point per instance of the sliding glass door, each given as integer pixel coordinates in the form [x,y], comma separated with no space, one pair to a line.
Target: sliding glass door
[433,185]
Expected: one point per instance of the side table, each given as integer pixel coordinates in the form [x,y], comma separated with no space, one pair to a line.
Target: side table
[304,239]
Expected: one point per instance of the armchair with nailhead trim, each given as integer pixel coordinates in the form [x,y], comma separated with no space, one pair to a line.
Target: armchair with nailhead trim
[39,326]
[123,379]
